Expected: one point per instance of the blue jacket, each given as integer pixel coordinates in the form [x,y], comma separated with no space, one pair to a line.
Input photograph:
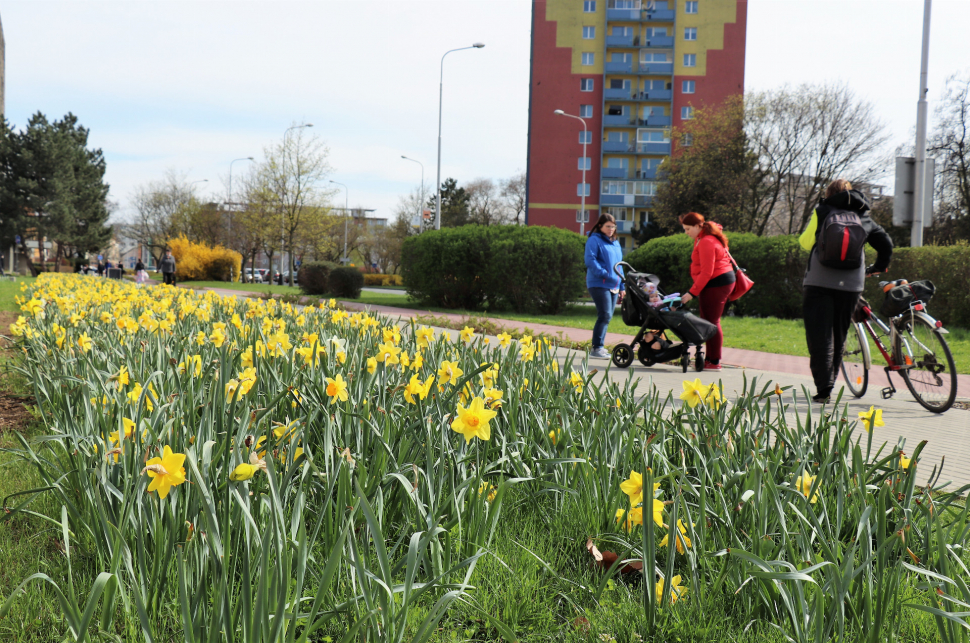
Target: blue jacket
[601,255]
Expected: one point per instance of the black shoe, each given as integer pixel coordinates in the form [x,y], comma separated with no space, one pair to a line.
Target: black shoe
[821,399]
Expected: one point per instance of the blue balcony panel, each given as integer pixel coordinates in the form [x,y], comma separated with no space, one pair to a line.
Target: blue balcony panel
[656,121]
[624,227]
[658,94]
[618,120]
[643,200]
[653,148]
[615,173]
[661,15]
[665,69]
[619,67]
[622,14]
[621,147]
[622,41]
[649,173]
[616,94]
[613,199]
[659,41]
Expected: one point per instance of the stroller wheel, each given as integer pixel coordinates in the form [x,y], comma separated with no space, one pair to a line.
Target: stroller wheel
[699,360]
[622,355]
[646,356]
[685,361]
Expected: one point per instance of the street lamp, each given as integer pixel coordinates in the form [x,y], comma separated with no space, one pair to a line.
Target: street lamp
[283,215]
[582,212]
[346,210]
[420,205]
[441,93]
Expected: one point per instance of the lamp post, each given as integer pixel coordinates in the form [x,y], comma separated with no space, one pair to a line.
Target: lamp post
[420,205]
[441,93]
[919,189]
[346,211]
[282,215]
[582,214]
[245,158]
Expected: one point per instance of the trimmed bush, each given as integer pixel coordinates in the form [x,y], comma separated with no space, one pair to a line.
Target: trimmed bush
[777,266]
[345,282]
[374,279]
[314,277]
[525,268]
[200,262]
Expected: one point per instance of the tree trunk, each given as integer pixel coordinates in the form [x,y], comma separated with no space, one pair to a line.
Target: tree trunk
[26,252]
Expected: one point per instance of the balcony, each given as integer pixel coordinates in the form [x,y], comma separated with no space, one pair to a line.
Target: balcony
[622,15]
[621,147]
[617,94]
[624,227]
[649,173]
[659,41]
[619,120]
[615,173]
[660,15]
[655,121]
[623,41]
[657,94]
[643,200]
[653,148]
[665,69]
[616,199]
[619,67]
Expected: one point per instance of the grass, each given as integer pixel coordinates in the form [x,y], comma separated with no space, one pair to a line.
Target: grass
[768,334]
[232,285]
[9,290]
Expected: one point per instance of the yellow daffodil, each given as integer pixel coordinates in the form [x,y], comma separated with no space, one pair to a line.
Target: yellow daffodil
[504,339]
[416,387]
[449,373]
[467,334]
[493,397]
[391,335]
[245,471]
[246,380]
[472,422]
[677,592]
[388,354]
[121,379]
[337,389]
[218,338]
[166,472]
[85,343]
[417,362]
[680,545]
[576,381]
[371,365]
[200,338]
[694,392]
[904,461]
[554,436]
[405,360]
[488,490]
[804,485]
[527,352]
[34,307]
[871,418]
[424,336]
[633,487]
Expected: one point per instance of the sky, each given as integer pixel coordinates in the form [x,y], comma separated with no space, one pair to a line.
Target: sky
[190,86]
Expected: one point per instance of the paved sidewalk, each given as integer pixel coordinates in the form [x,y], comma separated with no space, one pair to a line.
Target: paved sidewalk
[946,433]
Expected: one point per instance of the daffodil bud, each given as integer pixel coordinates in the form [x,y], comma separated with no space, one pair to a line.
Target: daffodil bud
[242,472]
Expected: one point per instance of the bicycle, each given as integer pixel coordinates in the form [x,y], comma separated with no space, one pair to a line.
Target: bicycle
[918,352]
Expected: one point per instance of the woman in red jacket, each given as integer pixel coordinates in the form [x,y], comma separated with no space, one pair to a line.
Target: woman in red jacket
[713,275]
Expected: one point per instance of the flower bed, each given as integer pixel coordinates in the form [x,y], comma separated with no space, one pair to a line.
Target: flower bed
[245,470]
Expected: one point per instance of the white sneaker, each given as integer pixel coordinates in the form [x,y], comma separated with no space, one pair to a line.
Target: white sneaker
[600,352]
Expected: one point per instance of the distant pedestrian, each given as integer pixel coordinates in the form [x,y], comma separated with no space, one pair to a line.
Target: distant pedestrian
[713,277]
[100,269]
[141,276]
[167,268]
[836,236]
[605,287]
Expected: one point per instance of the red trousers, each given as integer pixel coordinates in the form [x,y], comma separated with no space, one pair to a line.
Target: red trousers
[712,302]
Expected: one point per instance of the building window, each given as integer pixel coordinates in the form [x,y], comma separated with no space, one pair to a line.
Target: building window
[687,140]
[686,113]
[585,84]
[690,33]
[589,33]
[584,163]
[589,6]
[581,188]
[588,58]
[585,137]
[690,7]
[690,60]
[582,216]
[586,111]
[687,87]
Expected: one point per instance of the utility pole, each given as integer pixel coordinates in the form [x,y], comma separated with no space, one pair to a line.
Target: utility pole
[920,186]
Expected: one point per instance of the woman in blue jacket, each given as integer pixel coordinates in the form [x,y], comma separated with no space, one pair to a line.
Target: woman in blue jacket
[602,253]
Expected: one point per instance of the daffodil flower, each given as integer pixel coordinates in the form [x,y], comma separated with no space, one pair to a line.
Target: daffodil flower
[472,422]
[166,472]
[337,389]
[804,485]
[871,418]
[677,592]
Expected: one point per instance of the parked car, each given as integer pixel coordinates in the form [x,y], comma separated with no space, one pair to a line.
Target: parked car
[256,276]
[285,279]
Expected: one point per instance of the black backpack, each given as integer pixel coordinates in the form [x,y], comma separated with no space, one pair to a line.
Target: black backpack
[841,240]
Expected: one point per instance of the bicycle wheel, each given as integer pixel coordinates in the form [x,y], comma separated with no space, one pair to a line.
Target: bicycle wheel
[855,361]
[932,376]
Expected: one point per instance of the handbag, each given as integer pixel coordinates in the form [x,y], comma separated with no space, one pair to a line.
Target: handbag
[742,282]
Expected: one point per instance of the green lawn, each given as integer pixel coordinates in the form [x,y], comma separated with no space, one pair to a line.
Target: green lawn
[234,285]
[769,334]
[9,290]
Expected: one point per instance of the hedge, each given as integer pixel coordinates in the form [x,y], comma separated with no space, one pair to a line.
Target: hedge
[777,266]
[345,282]
[523,268]
[199,262]
[374,279]
[314,277]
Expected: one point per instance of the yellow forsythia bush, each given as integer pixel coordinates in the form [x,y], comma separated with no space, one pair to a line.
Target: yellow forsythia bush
[200,262]
[382,280]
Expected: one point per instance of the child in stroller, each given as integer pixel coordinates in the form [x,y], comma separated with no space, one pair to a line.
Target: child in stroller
[646,306]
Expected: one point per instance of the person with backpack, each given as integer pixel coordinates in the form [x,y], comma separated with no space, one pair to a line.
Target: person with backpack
[836,237]
[167,267]
[603,252]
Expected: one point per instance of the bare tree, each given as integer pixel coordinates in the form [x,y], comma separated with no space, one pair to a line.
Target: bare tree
[291,173]
[485,204]
[950,144]
[157,205]
[513,197]
[804,138]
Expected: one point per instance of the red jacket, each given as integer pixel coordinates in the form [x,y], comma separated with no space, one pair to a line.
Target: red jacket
[709,260]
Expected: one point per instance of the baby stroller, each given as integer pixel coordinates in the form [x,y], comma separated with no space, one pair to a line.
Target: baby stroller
[691,330]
